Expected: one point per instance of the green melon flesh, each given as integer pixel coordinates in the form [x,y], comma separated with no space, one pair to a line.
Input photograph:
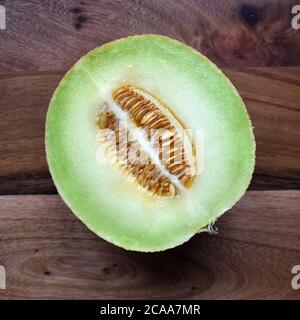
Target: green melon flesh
[198,93]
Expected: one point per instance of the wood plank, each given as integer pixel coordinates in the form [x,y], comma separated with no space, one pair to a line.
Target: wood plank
[48,253]
[24,101]
[52,35]
[272,96]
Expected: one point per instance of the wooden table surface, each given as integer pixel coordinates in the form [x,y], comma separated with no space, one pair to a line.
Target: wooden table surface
[48,253]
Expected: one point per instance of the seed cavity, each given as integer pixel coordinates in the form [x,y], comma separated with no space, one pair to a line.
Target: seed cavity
[151,148]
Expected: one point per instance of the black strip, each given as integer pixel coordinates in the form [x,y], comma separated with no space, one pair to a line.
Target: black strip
[147,309]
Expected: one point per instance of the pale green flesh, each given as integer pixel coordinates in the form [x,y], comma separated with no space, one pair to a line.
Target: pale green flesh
[200,96]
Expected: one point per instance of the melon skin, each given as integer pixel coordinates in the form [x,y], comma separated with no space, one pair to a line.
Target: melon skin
[202,97]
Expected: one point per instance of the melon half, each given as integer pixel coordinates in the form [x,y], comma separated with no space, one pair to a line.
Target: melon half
[189,148]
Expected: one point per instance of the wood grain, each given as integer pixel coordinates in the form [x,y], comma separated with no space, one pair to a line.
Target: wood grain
[52,35]
[272,96]
[48,253]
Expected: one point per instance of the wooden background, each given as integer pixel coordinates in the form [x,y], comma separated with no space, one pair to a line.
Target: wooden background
[48,253]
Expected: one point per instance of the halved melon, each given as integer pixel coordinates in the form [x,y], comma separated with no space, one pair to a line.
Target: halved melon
[140,88]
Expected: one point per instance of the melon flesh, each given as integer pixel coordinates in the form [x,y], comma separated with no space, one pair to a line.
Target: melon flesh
[198,93]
